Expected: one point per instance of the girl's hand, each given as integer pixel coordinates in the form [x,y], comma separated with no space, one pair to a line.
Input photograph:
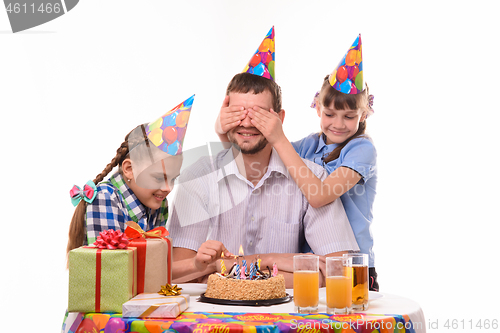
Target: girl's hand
[208,253]
[268,123]
[229,117]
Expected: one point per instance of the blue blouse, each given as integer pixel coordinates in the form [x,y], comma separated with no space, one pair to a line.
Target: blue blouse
[359,155]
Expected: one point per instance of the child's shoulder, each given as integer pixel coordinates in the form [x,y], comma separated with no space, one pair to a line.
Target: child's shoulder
[105,188]
[360,149]
[362,142]
[311,140]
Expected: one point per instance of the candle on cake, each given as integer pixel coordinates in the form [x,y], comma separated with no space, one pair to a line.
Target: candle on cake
[252,271]
[275,269]
[237,272]
[222,265]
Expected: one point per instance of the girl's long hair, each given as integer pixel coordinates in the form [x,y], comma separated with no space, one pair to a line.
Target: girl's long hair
[77,228]
[341,101]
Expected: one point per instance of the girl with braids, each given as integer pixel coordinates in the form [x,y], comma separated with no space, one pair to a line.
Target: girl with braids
[147,168]
[342,148]
[121,199]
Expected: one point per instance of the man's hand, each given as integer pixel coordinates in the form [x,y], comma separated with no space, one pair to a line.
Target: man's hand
[209,252]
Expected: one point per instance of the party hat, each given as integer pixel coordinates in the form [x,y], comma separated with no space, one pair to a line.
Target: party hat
[167,132]
[348,76]
[262,62]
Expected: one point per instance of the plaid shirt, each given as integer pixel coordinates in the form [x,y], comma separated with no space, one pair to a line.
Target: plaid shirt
[115,204]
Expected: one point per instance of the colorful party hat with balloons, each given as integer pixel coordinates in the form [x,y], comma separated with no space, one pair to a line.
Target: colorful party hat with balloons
[168,131]
[348,76]
[262,62]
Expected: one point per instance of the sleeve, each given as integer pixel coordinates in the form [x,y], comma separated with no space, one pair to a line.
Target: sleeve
[327,229]
[297,145]
[189,221]
[360,155]
[105,212]
[306,145]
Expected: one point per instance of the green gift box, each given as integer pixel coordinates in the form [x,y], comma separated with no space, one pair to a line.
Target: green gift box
[101,280]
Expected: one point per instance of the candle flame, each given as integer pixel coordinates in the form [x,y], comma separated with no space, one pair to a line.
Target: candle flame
[222,255]
[240,252]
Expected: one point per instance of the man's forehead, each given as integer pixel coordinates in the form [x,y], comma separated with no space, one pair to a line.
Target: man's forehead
[249,99]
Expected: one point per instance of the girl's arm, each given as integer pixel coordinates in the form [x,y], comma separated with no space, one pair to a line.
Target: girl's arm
[318,193]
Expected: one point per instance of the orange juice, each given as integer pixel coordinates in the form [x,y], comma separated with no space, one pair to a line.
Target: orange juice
[338,291]
[306,288]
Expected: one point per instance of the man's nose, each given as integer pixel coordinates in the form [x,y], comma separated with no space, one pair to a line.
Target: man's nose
[246,122]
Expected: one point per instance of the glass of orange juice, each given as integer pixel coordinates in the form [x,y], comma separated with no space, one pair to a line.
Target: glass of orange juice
[306,283]
[338,285]
[359,281]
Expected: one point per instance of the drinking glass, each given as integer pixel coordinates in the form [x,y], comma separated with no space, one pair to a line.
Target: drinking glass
[306,283]
[359,280]
[338,285]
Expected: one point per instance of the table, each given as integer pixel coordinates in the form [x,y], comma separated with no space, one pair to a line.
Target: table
[386,314]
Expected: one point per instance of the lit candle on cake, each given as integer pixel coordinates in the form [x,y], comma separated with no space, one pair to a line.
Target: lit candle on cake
[243,263]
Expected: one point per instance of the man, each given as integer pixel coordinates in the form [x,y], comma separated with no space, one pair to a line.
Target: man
[245,196]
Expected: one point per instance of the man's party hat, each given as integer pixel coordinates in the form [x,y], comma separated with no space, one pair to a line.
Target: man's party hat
[262,62]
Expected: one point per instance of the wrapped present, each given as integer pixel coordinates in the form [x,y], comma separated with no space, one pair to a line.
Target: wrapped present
[100,279]
[154,257]
[153,305]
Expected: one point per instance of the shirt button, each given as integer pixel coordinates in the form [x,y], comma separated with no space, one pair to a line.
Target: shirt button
[252,219]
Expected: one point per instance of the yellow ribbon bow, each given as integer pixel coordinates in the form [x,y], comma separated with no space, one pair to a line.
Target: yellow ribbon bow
[169,290]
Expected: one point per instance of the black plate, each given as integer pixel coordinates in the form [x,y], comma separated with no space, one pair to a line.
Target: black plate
[262,302]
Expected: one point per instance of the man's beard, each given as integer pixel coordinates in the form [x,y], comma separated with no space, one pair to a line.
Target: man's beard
[248,151]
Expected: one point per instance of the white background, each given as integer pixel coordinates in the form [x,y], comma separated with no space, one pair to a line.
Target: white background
[72,88]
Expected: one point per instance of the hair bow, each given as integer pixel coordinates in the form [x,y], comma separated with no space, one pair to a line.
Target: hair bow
[88,193]
[370,102]
[315,100]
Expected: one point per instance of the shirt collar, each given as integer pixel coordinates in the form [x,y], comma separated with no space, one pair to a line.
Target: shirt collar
[227,166]
[322,146]
[129,197]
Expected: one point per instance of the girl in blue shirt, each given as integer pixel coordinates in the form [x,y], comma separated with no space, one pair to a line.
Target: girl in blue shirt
[342,148]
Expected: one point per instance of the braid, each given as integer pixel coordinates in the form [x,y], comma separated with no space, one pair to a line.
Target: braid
[121,153]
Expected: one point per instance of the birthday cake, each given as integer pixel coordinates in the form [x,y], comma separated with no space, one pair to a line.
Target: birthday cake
[258,286]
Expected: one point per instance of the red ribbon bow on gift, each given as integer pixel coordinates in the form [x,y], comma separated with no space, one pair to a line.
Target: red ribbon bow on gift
[111,240]
[135,231]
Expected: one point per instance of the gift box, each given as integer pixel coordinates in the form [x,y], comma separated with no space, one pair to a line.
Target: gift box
[155,306]
[101,280]
[154,257]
